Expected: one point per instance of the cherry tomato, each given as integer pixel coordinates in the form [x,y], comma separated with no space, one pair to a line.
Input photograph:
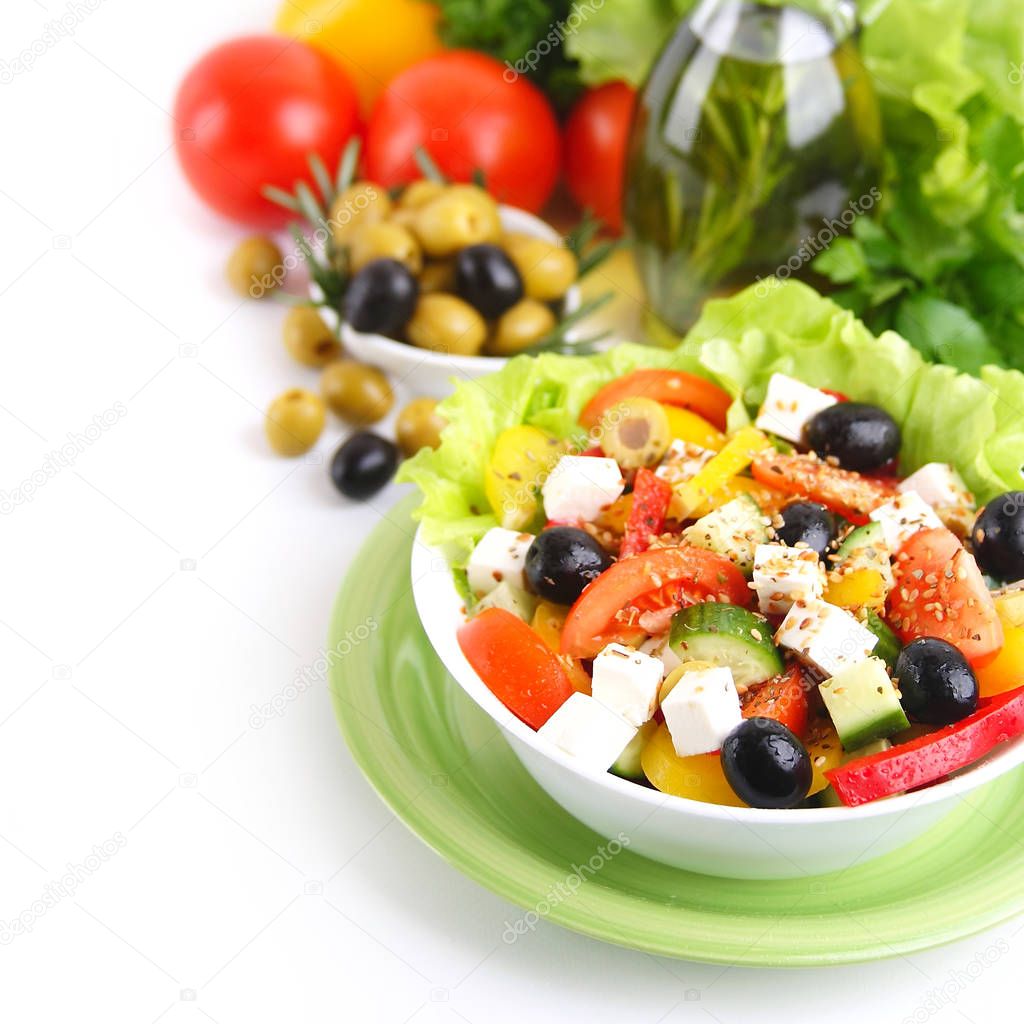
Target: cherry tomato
[609,605]
[940,592]
[465,110]
[595,139]
[852,495]
[372,40]
[672,387]
[783,698]
[250,112]
[515,665]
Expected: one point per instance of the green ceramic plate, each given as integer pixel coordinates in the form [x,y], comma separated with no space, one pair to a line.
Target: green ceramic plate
[444,769]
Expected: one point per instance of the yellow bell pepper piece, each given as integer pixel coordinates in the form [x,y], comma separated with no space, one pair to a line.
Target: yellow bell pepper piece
[547,623]
[1010,607]
[861,588]
[614,517]
[698,778]
[737,454]
[769,501]
[825,752]
[1006,671]
[685,425]
[522,458]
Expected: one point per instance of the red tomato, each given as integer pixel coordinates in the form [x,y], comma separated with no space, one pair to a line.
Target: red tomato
[250,112]
[851,495]
[940,592]
[608,605]
[673,387]
[783,698]
[595,139]
[465,110]
[516,665]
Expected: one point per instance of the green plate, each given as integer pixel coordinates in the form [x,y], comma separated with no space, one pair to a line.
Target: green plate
[445,770]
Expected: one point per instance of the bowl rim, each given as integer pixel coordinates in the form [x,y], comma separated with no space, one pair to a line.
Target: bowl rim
[513,218]
[440,610]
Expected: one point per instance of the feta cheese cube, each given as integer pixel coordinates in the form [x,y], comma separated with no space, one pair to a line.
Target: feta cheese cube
[938,484]
[683,461]
[902,517]
[827,637]
[499,556]
[657,647]
[788,405]
[585,729]
[580,486]
[784,575]
[701,710]
[627,681]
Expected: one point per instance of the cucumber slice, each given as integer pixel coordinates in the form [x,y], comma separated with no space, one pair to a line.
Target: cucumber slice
[627,764]
[512,599]
[870,535]
[726,635]
[734,530]
[863,704]
[888,647]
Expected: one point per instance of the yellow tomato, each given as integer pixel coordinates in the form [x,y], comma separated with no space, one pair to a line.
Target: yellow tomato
[862,588]
[825,752]
[1006,672]
[373,40]
[521,460]
[547,623]
[698,778]
[688,426]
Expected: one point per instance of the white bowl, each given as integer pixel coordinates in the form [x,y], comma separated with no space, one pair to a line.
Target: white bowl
[433,373]
[735,842]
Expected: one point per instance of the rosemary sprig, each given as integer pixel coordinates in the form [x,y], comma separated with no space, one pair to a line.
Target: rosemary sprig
[580,242]
[425,162]
[556,341]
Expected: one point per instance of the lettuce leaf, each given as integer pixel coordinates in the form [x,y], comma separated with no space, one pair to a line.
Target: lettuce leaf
[977,423]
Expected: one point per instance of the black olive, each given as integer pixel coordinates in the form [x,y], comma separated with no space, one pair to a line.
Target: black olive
[998,537]
[381,298]
[363,465]
[487,279]
[859,435]
[561,561]
[935,682]
[809,523]
[766,765]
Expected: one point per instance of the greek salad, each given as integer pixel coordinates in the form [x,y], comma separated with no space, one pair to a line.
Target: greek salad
[752,610]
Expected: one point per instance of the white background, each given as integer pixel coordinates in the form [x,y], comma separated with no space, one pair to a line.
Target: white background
[129,670]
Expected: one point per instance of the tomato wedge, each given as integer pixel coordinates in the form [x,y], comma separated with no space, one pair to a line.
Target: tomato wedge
[783,697]
[515,665]
[851,495]
[940,592]
[930,757]
[673,387]
[651,499]
[606,607]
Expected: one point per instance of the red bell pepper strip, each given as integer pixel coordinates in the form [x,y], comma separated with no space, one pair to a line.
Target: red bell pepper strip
[932,756]
[651,499]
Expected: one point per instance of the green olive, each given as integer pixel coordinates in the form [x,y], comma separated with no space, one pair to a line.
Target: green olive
[462,215]
[384,241]
[520,327]
[437,276]
[548,270]
[357,393]
[419,193]
[294,421]
[360,204]
[308,339]
[635,432]
[418,426]
[255,267]
[443,323]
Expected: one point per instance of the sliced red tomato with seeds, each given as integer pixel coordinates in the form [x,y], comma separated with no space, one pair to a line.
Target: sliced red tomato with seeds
[940,592]
[783,698]
[850,494]
[613,602]
[673,387]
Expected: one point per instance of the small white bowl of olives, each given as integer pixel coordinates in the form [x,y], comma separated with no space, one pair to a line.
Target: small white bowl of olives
[446,284]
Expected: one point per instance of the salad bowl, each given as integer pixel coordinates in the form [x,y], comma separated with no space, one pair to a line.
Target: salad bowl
[740,344]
